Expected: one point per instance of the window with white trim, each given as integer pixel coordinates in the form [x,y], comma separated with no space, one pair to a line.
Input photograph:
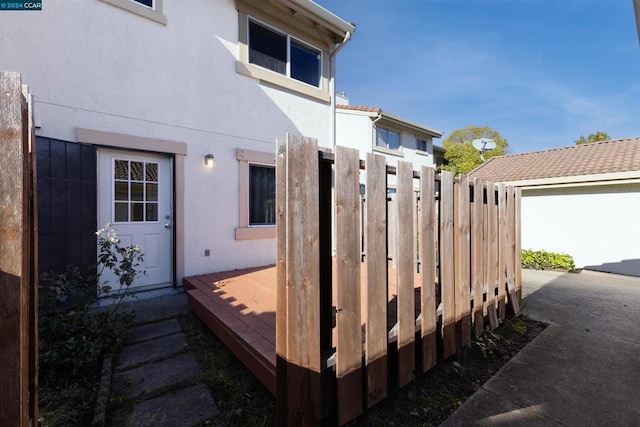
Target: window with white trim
[150,9]
[283,54]
[262,195]
[421,144]
[386,138]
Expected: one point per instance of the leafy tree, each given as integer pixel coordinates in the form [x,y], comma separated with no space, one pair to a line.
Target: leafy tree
[594,137]
[460,155]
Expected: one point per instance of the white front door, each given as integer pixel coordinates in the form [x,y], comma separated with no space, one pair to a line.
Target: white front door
[135,196]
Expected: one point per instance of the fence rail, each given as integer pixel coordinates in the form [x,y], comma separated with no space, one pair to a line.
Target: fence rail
[456,248]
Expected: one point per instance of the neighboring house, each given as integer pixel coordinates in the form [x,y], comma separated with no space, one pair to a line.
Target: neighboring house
[132,95]
[374,130]
[583,200]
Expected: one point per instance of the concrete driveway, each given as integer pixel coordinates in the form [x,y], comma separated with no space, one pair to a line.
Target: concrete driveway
[583,370]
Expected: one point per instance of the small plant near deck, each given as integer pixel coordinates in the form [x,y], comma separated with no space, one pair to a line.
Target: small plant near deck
[543,260]
[73,341]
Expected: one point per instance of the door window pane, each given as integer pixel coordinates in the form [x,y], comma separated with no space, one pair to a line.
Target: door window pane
[262,195]
[122,191]
[137,191]
[137,211]
[152,192]
[152,212]
[136,171]
[151,172]
[121,212]
[121,169]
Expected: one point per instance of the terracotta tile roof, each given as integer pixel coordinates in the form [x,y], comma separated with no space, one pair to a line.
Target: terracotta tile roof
[359,108]
[597,158]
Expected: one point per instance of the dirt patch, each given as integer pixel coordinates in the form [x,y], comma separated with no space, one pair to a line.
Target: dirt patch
[428,401]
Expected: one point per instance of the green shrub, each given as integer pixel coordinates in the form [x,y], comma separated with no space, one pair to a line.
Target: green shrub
[72,340]
[543,260]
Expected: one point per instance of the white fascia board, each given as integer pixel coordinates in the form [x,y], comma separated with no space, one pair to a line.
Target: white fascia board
[371,114]
[318,13]
[580,180]
[398,121]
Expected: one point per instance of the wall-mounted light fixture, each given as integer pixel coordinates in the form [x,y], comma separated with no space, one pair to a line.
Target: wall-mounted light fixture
[208,160]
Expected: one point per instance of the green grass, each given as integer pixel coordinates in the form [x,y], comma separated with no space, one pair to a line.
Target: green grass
[242,399]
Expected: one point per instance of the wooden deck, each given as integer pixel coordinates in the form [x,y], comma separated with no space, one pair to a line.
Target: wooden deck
[239,306]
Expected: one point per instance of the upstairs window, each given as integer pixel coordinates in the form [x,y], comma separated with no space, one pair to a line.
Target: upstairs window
[421,144]
[386,138]
[280,53]
[148,3]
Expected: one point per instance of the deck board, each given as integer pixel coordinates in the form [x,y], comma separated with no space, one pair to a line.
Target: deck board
[239,306]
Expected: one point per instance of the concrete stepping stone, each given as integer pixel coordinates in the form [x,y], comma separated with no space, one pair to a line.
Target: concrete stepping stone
[154,330]
[158,348]
[151,377]
[185,407]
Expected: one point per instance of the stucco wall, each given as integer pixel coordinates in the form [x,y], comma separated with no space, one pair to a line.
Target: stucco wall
[92,65]
[596,225]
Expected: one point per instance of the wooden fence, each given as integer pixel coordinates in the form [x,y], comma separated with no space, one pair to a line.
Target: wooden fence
[18,252]
[349,325]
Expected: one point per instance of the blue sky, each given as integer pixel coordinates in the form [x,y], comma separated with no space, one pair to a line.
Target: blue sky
[540,72]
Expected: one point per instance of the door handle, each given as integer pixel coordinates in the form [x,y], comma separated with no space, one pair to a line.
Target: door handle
[167,226]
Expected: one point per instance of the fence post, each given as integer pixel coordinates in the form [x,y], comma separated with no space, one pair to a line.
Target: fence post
[298,397]
[18,246]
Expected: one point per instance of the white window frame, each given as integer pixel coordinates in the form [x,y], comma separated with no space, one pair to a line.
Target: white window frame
[245,231]
[288,37]
[153,13]
[386,150]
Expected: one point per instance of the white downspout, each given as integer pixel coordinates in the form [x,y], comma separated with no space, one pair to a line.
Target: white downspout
[332,87]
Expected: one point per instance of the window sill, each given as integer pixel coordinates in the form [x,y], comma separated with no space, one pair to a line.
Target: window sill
[138,9]
[397,153]
[251,233]
[285,82]
[422,153]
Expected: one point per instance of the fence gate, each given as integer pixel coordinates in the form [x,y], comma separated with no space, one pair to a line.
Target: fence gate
[18,252]
[368,300]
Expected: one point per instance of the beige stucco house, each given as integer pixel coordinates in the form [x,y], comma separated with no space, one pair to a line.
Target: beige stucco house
[161,116]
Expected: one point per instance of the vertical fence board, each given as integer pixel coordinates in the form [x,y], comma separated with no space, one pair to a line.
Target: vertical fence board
[405,264]
[503,228]
[18,272]
[510,250]
[302,284]
[447,266]
[32,315]
[349,333]
[428,235]
[492,252]
[281,292]
[477,249]
[463,263]
[376,257]
[518,244]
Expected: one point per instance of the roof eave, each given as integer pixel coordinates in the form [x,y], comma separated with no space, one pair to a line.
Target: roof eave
[412,125]
[330,21]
